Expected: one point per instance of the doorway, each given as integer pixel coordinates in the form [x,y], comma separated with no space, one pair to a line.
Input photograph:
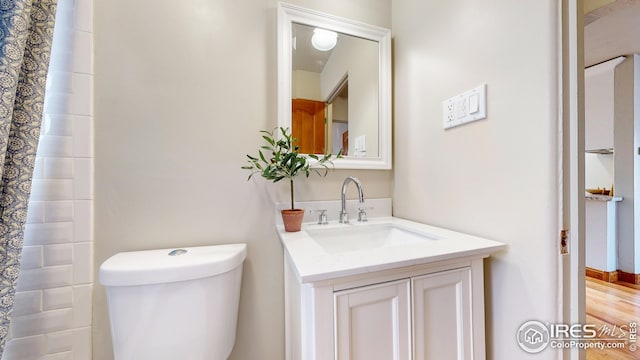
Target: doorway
[612,294]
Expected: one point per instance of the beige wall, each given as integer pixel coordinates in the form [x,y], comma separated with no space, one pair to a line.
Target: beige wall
[496,177]
[590,5]
[305,85]
[179,103]
[612,35]
[636,145]
[359,60]
[624,162]
[180,95]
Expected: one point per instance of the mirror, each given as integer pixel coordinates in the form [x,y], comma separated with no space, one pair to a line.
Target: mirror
[334,92]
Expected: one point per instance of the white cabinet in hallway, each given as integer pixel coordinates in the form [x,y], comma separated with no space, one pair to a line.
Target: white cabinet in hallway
[601,235]
[599,109]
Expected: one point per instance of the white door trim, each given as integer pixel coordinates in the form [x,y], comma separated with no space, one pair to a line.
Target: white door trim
[572,292]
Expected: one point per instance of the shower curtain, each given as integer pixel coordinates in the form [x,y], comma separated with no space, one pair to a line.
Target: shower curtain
[26,31]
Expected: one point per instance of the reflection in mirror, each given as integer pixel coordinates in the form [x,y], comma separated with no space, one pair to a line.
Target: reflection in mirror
[334,92]
[322,116]
[338,118]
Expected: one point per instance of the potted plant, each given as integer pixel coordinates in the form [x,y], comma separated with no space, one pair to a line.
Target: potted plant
[279,159]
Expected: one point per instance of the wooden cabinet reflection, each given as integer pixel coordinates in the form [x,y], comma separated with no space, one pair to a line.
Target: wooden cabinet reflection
[308,125]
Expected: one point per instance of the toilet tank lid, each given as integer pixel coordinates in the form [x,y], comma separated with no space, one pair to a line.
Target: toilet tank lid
[170,265]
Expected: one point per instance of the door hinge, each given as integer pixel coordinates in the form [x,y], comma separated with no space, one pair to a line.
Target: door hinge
[564,249]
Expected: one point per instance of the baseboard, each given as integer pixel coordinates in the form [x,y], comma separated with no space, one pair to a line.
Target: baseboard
[608,276]
[629,277]
[613,276]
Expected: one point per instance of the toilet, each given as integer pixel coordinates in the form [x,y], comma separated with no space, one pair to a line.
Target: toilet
[174,303]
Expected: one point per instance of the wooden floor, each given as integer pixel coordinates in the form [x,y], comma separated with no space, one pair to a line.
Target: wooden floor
[612,305]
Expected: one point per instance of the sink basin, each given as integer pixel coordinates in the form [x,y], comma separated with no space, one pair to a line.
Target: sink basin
[324,252]
[367,237]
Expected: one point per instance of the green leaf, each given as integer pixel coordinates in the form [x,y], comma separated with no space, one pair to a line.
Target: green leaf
[298,168]
[262,156]
[278,158]
[269,140]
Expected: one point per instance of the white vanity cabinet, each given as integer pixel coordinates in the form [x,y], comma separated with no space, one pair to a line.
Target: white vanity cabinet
[374,322]
[442,311]
[428,311]
[385,289]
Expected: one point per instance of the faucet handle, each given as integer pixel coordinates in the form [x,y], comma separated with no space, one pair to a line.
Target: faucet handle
[362,213]
[322,216]
[344,217]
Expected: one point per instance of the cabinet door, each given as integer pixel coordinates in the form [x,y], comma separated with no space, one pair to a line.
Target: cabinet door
[442,315]
[599,105]
[373,322]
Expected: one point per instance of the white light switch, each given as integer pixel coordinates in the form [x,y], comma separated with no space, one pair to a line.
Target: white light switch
[360,146]
[466,107]
[473,103]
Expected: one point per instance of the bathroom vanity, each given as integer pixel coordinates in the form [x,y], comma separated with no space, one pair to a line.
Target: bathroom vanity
[384,289]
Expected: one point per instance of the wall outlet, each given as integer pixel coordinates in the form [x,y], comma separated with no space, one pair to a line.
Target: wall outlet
[448,111]
[466,107]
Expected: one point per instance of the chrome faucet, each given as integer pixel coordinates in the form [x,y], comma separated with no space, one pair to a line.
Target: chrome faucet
[344,216]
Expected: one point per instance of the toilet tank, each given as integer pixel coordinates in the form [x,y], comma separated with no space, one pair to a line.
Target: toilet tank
[174,303]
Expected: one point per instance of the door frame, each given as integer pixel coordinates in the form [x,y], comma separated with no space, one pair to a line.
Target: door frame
[571,158]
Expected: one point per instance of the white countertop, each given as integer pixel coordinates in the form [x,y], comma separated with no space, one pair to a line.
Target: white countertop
[313,263]
[595,197]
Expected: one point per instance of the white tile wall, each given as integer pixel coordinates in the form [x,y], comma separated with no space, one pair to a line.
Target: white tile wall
[52,311]
[27,302]
[59,356]
[31,257]
[58,255]
[42,322]
[24,348]
[57,298]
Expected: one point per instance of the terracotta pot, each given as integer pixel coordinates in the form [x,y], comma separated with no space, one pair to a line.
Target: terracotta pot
[292,219]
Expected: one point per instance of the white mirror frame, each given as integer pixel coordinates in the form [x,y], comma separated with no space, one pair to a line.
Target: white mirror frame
[288,14]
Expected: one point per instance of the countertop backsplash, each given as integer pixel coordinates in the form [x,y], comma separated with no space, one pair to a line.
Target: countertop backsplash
[374,208]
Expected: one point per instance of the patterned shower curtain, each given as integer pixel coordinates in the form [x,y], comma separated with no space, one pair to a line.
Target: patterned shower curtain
[26,31]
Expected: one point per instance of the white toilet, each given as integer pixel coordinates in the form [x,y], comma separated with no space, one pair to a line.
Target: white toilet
[174,303]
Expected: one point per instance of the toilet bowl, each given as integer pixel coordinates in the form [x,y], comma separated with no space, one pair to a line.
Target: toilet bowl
[174,303]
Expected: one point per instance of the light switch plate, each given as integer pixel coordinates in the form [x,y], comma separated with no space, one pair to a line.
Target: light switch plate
[465,108]
[360,146]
